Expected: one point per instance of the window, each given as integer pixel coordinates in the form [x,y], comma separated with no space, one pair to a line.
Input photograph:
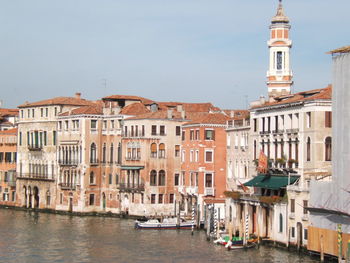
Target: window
[162,130]
[104,125]
[208,180]
[136,131]
[196,159]
[305,205]
[292,232]
[183,156]
[208,156]
[110,179]
[161,178]
[178,130]
[93,124]
[153,198]
[93,153]
[328,149]
[197,135]
[328,119]
[92,178]
[191,155]
[171,198]
[142,198]
[154,129]
[111,152]
[153,178]
[160,198]
[61,198]
[154,150]
[281,223]
[54,138]
[305,234]
[162,150]
[116,179]
[183,136]
[60,125]
[143,130]
[308,120]
[177,179]
[104,153]
[126,131]
[20,139]
[292,205]
[279,60]
[91,199]
[308,149]
[66,125]
[209,135]
[112,124]
[33,113]
[255,121]
[177,150]
[46,112]
[191,135]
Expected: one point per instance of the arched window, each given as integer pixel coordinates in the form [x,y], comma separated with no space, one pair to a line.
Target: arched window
[154,150]
[161,178]
[153,178]
[119,153]
[162,150]
[111,154]
[281,223]
[116,179]
[308,149]
[93,153]
[104,153]
[92,178]
[328,149]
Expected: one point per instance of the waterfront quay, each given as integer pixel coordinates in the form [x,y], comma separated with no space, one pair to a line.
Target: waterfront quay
[34,237]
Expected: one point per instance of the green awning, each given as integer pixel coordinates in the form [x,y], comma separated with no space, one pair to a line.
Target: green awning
[129,167]
[273,182]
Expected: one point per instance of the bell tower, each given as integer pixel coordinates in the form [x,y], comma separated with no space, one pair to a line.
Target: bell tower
[279,75]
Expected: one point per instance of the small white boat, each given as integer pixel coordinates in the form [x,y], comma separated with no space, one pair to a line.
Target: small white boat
[168,223]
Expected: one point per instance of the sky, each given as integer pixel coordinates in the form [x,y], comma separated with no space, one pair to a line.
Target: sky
[165,50]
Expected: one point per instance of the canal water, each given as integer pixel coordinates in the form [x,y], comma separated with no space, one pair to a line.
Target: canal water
[33,237]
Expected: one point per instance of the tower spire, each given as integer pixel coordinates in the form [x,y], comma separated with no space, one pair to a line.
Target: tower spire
[279,75]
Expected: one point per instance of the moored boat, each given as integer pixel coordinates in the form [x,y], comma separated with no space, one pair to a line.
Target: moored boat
[168,223]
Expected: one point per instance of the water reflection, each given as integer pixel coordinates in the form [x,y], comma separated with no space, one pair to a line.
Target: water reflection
[33,237]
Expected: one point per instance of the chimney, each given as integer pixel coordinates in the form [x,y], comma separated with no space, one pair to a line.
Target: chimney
[179,108]
[183,114]
[170,113]
[262,100]
[78,95]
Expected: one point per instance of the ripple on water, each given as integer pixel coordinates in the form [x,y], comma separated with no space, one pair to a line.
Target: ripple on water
[32,237]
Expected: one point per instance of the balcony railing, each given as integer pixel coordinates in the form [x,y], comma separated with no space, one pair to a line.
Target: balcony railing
[68,162]
[34,147]
[94,162]
[192,190]
[131,187]
[133,158]
[67,186]
[209,191]
[32,176]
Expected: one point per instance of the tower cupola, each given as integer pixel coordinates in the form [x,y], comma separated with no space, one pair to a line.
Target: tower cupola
[279,75]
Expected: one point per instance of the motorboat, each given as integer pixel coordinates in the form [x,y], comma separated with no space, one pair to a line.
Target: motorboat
[167,223]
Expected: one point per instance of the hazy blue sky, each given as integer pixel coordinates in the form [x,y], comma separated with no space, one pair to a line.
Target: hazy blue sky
[166,50]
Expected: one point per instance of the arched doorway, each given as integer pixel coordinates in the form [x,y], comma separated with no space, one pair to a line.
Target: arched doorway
[36,197]
[125,204]
[29,197]
[70,209]
[299,235]
[24,196]
[103,201]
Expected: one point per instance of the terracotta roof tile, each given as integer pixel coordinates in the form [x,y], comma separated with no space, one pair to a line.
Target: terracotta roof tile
[136,108]
[189,107]
[209,118]
[8,112]
[162,114]
[85,110]
[59,101]
[316,94]
[129,97]
[345,49]
[10,131]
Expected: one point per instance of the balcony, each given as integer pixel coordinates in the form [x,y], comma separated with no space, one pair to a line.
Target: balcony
[34,147]
[68,162]
[67,186]
[35,177]
[292,131]
[209,191]
[94,162]
[192,190]
[131,187]
[133,158]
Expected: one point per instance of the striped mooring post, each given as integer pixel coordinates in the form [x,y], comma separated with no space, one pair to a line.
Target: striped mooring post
[246,233]
[192,219]
[340,243]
